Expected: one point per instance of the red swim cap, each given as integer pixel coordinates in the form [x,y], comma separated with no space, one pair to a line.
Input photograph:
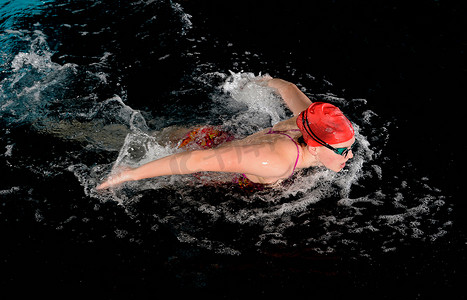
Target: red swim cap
[324,122]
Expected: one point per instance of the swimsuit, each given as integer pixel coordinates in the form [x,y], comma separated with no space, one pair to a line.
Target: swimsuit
[207,137]
[296,144]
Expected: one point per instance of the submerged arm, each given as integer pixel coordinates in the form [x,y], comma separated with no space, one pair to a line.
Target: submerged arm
[295,99]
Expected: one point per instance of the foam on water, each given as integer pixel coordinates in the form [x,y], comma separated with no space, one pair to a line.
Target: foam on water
[36,89]
[323,206]
[247,89]
[319,209]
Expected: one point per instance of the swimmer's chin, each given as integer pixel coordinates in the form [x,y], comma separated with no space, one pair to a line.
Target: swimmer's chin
[338,169]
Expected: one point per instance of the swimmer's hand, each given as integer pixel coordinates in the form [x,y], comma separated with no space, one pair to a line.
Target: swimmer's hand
[123,175]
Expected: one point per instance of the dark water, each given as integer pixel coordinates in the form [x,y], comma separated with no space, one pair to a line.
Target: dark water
[87,86]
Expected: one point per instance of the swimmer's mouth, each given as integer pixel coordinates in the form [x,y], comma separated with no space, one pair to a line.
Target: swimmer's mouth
[342,165]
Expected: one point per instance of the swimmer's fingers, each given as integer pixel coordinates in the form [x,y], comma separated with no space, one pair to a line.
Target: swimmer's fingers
[113,180]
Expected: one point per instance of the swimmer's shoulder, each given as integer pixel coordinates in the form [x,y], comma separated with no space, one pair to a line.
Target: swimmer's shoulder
[286,125]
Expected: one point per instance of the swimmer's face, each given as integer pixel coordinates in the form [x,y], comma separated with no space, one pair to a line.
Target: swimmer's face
[332,160]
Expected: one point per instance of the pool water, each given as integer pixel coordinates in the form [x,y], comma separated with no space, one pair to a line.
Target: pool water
[91,86]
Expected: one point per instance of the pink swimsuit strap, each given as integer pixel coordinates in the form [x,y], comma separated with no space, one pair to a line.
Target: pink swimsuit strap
[296,144]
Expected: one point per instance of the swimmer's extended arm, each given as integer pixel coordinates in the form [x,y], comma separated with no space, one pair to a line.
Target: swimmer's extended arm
[295,99]
[258,160]
[180,163]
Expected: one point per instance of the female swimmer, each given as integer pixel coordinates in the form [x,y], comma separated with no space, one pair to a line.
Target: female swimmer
[318,135]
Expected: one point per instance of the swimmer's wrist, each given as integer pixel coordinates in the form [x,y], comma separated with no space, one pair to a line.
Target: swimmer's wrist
[132,175]
[263,80]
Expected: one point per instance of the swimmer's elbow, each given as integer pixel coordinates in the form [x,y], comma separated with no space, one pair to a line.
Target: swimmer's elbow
[288,88]
[280,84]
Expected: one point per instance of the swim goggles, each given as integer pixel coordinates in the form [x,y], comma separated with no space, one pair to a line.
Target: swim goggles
[341,151]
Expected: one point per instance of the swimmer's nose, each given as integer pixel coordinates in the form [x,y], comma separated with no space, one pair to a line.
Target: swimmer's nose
[349,154]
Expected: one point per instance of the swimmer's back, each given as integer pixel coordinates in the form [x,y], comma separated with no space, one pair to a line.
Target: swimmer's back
[262,136]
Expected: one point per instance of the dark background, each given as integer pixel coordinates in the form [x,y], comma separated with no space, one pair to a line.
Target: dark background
[406,58]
